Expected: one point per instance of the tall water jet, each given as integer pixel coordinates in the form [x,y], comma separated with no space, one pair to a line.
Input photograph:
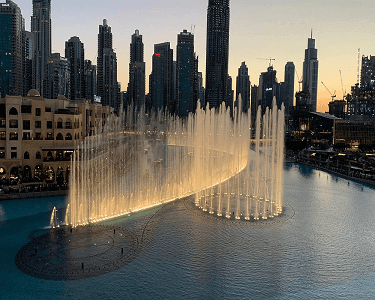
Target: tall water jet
[130,165]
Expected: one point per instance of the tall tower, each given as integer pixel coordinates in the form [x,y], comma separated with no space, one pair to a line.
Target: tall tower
[107,68]
[75,53]
[243,87]
[217,52]
[310,73]
[41,27]
[289,86]
[186,97]
[137,73]
[11,38]
[161,78]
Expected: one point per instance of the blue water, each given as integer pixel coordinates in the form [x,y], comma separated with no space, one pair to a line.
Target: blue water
[323,248]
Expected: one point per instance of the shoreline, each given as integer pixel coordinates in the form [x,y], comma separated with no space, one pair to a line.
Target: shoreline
[33,195]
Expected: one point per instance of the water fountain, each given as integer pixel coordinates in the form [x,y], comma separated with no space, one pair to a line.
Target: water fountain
[131,165]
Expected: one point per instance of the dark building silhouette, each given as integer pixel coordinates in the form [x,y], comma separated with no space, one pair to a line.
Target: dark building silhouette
[186,74]
[243,87]
[268,89]
[107,86]
[368,72]
[254,101]
[161,78]
[217,52]
[59,77]
[137,76]
[75,53]
[90,81]
[310,73]
[11,49]
[288,86]
[28,59]
[41,27]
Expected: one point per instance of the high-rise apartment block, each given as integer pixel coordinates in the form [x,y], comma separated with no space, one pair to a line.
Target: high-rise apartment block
[161,78]
[11,49]
[288,86]
[41,27]
[217,52]
[107,86]
[90,81]
[243,88]
[59,77]
[310,73]
[186,74]
[137,72]
[368,72]
[75,53]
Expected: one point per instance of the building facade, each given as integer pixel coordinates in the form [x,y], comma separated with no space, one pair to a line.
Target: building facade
[288,90]
[11,49]
[243,88]
[41,27]
[75,53]
[59,77]
[217,53]
[186,75]
[38,136]
[310,73]
[137,72]
[107,86]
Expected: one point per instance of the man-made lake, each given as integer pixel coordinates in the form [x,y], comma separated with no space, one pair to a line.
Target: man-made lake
[323,247]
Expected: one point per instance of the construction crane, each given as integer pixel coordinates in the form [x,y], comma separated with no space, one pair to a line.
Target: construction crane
[299,80]
[333,96]
[270,59]
[342,86]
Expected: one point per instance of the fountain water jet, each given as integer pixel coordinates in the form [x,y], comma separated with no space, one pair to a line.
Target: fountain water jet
[130,165]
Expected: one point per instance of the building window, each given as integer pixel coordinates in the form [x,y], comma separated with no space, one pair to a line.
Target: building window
[26,155]
[26,125]
[13,111]
[3,135]
[68,125]
[59,124]
[68,137]
[3,124]
[13,155]
[50,136]
[13,136]
[38,124]
[49,124]
[37,112]
[13,123]
[38,136]
[26,136]
[26,109]
[48,109]
[38,155]
[2,154]
[59,137]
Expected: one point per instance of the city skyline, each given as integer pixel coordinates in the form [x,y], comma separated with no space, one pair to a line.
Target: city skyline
[252,35]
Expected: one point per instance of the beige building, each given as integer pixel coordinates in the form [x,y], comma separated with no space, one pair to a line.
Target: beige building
[38,136]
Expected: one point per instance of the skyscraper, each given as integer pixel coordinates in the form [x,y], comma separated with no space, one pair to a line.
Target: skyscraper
[41,27]
[28,59]
[268,89]
[137,73]
[243,87]
[59,77]
[289,86]
[310,73]
[75,53]
[90,81]
[11,38]
[186,97]
[161,78]
[217,52]
[107,68]
[368,72]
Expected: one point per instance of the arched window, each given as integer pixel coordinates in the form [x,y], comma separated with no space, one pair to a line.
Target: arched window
[59,123]
[27,176]
[50,175]
[60,175]
[59,137]
[13,111]
[38,155]
[26,155]
[68,124]
[38,173]
[68,137]
[15,174]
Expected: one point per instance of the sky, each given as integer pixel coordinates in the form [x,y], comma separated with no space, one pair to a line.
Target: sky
[258,30]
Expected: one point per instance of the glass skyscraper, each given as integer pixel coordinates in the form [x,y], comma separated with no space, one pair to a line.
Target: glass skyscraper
[217,52]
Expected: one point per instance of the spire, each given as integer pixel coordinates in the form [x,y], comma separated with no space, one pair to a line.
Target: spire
[311,33]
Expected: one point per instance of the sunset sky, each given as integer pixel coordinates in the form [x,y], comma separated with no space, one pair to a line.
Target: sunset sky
[258,29]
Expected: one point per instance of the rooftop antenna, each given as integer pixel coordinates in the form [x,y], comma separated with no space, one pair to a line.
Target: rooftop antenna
[311,33]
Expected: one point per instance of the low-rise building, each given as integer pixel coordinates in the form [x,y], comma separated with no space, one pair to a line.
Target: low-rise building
[38,136]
